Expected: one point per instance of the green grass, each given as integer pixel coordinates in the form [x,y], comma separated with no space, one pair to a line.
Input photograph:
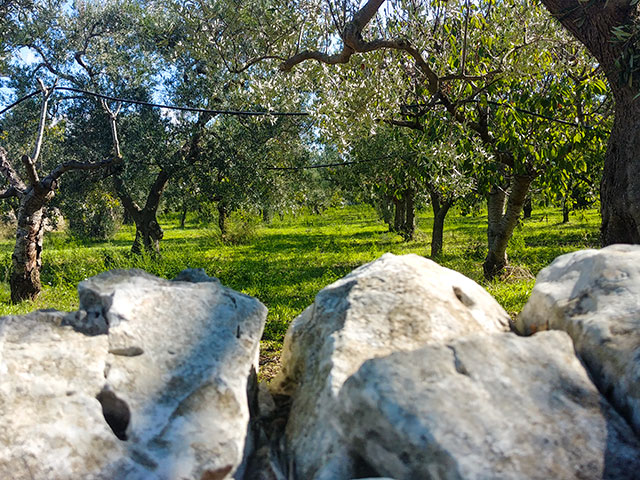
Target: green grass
[290,260]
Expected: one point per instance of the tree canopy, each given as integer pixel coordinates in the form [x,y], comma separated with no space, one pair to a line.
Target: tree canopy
[421,102]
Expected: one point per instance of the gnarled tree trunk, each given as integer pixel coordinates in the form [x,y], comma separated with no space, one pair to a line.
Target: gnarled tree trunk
[592,23]
[620,186]
[502,222]
[27,253]
[148,233]
[33,195]
[148,230]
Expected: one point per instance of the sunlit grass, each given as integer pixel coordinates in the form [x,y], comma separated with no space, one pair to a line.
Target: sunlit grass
[290,260]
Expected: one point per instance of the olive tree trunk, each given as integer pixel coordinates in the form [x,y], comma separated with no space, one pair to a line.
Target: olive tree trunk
[33,194]
[404,219]
[527,208]
[502,222]
[148,230]
[593,23]
[385,207]
[27,254]
[565,209]
[148,234]
[398,216]
[620,186]
[440,208]
[183,214]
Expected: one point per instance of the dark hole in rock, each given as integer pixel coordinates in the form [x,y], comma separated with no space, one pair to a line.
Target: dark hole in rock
[217,474]
[127,351]
[463,297]
[362,468]
[116,412]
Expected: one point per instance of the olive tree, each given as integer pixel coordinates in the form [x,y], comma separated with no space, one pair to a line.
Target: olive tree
[609,30]
[496,89]
[34,191]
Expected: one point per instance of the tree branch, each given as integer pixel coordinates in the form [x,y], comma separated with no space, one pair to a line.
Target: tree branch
[113,117]
[159,184]
[353,43]
[10,192]
[190,151]
[414,125]
[30,162]
[342,57]
[30,167]
[592,24]
[127,202]
[9,173]
[49,182]
[250,63]
[49,66]
[365,14]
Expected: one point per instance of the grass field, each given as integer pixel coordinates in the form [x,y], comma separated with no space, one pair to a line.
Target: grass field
[288,261]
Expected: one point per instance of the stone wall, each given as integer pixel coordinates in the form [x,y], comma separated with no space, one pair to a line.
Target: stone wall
[402,369]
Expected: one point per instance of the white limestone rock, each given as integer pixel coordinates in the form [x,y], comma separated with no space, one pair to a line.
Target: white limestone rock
[486,406]
[395,303]
[173,369]
[594,296]
[51,424]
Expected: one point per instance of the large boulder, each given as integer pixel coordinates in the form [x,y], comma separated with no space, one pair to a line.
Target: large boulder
[52,425]
[493,406]
[148,380]
[397,303]
[594,296]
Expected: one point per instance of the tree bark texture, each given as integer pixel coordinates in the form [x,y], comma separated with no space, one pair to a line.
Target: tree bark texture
[440,208]
[527,208]
[501,225]
[404,219]
[620,186]
[27,254]
[148,230]
[565,209]
[592,24]
[148,233]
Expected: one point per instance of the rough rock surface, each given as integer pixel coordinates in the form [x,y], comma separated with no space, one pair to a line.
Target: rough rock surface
[493,406]
[395,303]
[594,296]
[51,422]
[170,362]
